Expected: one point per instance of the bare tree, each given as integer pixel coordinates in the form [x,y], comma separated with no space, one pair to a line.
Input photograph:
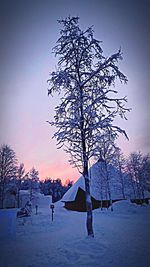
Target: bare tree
[88,104]
[105,153]
[120,164]
[8,168]
[145,172]
[134,167]
[139,170]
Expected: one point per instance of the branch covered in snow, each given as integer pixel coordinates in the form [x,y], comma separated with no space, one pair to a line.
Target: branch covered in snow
[89,104]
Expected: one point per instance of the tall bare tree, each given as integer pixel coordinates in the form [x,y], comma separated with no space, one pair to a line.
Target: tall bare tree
[88,104]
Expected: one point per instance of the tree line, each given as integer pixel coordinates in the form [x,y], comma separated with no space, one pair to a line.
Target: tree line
[122,176]
[13,178]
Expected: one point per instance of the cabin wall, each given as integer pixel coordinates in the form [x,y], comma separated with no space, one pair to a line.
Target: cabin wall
[79,204]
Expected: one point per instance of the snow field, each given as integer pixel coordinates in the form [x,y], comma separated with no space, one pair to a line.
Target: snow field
[122,239]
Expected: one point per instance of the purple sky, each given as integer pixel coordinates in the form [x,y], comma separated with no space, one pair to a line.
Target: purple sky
[29,30]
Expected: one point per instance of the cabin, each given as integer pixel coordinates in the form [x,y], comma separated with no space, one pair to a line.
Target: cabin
[104,192]
[79,203]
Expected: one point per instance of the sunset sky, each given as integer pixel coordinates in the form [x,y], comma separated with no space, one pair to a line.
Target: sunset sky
[29,30]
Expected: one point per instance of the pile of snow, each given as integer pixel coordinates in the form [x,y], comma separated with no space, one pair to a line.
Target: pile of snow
[37,199]
[41,200]
[124,206]
[8,223]
[24,197]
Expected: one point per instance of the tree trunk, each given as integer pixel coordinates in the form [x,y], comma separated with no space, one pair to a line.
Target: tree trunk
[108,187]
[30,190]
[89,221]
[2,195]
[132,184]
[18,199]
[122,181]
[138,188]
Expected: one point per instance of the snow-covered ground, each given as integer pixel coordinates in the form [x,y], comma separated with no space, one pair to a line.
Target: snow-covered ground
[122,239]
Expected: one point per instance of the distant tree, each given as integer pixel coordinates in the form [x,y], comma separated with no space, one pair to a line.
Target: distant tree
[105,154]
[131,181]
[55,188]
[34,181]
[45,186]
[8,169]
[135,169]
[88,106]
[68,183]
[120,164]
[25,183]
[19,179]
[145,172]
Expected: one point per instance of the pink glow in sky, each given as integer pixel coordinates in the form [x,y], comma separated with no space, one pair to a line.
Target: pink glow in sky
[29,31]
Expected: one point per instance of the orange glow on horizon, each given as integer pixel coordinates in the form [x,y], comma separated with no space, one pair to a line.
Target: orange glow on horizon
[59,170]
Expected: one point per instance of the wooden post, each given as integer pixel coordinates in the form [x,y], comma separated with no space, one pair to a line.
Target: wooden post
[36,209]
[52,208]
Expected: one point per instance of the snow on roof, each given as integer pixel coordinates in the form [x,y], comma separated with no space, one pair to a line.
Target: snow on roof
[70,195]
[99,184]
[96,175]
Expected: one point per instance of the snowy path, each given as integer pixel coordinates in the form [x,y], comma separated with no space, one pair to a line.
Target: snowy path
[122,239]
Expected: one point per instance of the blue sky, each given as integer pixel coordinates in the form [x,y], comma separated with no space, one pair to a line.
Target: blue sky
[29,30]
